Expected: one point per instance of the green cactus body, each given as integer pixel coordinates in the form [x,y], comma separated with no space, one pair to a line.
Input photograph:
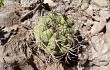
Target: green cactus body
[51,45]
[46,35]
[1,3]
[56,33]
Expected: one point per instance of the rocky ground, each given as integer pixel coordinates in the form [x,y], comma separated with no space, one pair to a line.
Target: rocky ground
[17,43]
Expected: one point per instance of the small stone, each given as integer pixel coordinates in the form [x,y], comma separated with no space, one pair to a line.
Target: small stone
[94,7]
[9,16]
[27,3]
[102,3]
[8,2]
[89,22]
[89,10]
[98,26]
[84,6]
[84,18]
[96,18]
[104,13]
[105,48]
[50,2]
[108,28]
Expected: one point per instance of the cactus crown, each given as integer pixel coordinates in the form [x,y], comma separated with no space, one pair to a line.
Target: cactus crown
[55,33]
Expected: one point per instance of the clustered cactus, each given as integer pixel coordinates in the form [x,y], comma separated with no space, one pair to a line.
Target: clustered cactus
[55,34]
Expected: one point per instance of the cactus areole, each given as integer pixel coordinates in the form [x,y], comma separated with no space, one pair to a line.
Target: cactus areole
[55,34]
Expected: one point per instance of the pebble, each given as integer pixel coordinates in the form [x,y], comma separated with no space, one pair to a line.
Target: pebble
[98,26]
[89,10]
[104,13]
[102,3]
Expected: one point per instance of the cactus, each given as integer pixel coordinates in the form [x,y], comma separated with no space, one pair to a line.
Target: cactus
[1,3]
[55,34]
